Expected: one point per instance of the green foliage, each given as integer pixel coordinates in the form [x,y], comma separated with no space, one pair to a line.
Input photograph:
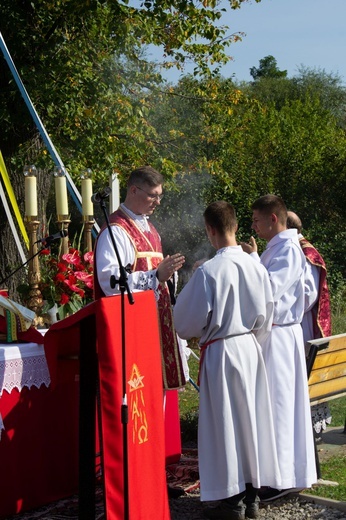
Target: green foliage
[105,107]
[85,70]
[250,143]
[267,69]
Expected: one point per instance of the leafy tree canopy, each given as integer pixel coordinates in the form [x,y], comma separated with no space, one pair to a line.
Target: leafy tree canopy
[238,143]
[267,69]
[87,74]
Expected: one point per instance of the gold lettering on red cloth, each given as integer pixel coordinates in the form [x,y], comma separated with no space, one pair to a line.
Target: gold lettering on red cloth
[137,407]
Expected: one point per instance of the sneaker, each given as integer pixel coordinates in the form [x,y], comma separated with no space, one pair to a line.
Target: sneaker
[225,511]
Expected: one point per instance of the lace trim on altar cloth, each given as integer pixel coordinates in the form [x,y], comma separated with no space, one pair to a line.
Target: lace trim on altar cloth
[23,366]
[321,417]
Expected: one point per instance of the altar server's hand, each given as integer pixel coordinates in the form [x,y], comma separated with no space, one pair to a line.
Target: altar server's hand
[250,247]
[169,265]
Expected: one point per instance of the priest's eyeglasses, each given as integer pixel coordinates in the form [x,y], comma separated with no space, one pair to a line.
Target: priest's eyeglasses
[152,196]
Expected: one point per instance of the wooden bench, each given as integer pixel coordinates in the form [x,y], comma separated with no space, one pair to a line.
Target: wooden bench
[326,368]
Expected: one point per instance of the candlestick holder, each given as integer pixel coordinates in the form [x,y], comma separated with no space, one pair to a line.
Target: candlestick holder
[63,224]
[88,223]
[35,301]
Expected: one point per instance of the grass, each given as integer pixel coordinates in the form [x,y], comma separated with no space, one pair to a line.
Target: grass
[188,403]
[334,469]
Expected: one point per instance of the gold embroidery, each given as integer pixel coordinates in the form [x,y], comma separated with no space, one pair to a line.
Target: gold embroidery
[137,407]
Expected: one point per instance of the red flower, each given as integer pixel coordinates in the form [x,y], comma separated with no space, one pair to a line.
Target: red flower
[89,257]
[67,281]
[85,278]
[71,283]
[59,277]
[62,267]
[64,299]
[73,257]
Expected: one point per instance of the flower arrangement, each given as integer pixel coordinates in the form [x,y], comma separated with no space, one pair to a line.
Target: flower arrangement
[66,282]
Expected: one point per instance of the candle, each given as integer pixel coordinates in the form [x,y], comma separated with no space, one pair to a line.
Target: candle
[87,191]
[30,196]
[61,196]
[115,195]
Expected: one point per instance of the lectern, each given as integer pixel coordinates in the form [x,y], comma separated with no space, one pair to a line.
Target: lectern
[94,335]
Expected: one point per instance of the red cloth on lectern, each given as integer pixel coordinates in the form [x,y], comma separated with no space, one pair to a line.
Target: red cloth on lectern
[145,430]
[146,443]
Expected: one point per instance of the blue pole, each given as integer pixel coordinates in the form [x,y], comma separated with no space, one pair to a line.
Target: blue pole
[194,384]
[54,154]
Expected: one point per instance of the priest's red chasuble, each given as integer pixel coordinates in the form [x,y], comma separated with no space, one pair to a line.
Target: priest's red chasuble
[321,310]
[148,254]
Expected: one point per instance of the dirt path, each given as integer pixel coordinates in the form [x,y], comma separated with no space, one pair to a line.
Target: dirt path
[333,443]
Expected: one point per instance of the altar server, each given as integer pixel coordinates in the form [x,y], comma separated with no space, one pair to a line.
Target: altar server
[283,350]
[228,304]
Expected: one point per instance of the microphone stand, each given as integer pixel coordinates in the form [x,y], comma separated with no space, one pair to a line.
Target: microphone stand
[123,286]
[25,263]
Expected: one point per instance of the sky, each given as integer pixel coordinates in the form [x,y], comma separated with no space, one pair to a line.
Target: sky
[309,33]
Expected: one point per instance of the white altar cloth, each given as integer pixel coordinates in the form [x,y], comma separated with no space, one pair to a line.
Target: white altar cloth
[22,364]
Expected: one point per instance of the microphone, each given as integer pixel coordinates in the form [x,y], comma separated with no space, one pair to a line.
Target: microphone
[101,195]
[48,240]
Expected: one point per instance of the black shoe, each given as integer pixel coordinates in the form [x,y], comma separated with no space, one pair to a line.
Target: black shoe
[225,511]
[175,492]
[269,494]
[251,509]
[251,502]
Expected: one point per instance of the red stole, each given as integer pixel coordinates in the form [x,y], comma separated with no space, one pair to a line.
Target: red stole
[148,254]
[321,310]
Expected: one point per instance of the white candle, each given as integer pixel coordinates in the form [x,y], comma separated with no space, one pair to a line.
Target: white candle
[61,196]
[87,191]
[115,195]
[30,196]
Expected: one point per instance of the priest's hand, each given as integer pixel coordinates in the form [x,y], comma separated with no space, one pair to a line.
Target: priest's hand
[250,247]
[169,265]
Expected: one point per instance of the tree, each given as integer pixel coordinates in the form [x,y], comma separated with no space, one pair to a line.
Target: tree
[241,144]
[84,68]
[267,69]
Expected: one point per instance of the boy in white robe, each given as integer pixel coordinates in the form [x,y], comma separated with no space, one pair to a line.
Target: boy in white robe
[283,350]
[227,303]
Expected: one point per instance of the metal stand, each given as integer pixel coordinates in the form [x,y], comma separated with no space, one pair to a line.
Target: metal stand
[123,286]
